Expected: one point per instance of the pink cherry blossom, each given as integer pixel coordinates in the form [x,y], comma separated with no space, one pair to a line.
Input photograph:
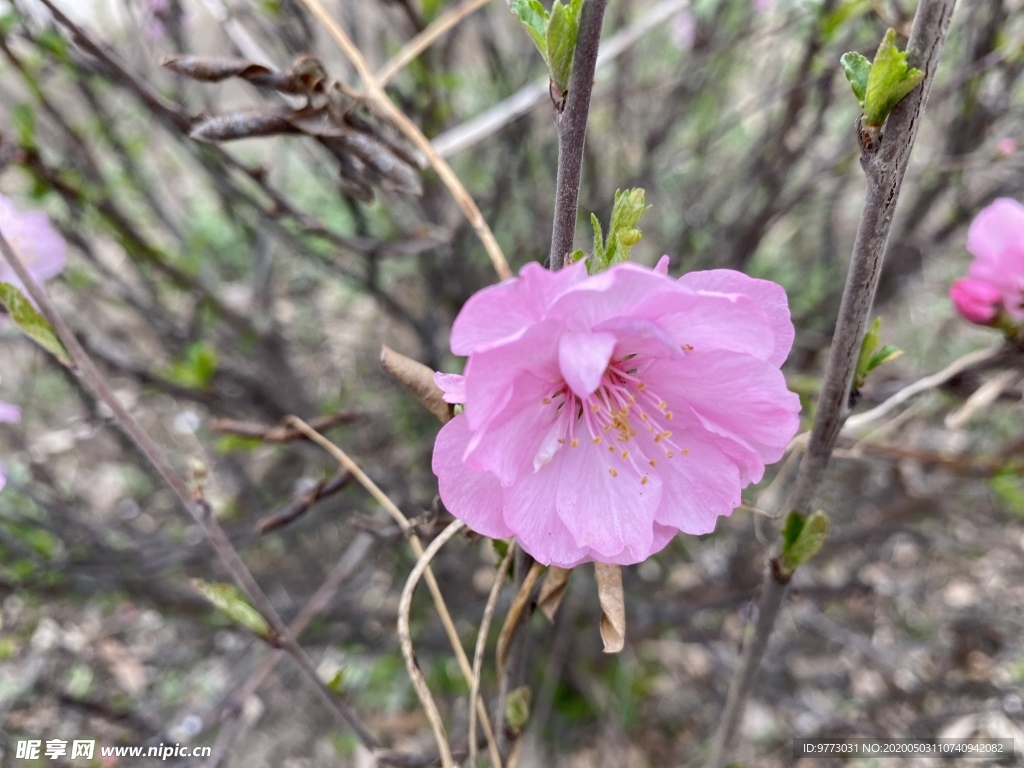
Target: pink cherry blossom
[605,414]
[39,246]
[995,278]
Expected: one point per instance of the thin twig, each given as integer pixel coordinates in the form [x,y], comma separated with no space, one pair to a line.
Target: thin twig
[417,547]
[377,100]
[427,38]
[279,433]
[481,644]
[84,368]
[300,506]
[884,168]
[572,132]
[405,640]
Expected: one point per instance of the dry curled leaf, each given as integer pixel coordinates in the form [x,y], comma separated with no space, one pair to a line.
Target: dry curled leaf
[613,606]
[418,379]
[241,125]
[305,77]
[552,590]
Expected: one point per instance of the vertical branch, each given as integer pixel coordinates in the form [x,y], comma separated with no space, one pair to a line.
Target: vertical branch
[572,132]
[885,165]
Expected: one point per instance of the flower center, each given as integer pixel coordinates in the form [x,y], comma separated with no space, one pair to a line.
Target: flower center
[621,405]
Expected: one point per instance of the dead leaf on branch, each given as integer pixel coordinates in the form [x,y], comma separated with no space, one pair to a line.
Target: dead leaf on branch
[613,606]
[370,152]
[305,77]
[552,590]
[418,379]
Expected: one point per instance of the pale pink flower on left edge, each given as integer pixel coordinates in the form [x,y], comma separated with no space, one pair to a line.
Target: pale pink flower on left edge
[39,246]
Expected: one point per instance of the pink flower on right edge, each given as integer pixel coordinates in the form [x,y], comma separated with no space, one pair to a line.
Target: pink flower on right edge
[605,414]
[995,279]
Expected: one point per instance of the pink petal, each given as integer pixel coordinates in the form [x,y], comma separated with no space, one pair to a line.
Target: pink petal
[9,414]
[530,511]
[976,300]
[474,497]
[453,385]
[583,358]
[661,267]
[714,321]
[996,230]
[742,403]
[771,297]
[502,311]
[698,487]
[3,478]
[621,290]
[612,515]
[490,373]
[507,444]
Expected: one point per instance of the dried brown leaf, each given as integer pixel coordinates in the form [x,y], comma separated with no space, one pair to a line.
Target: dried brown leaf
[241,125]
[613,606]
[213,69]
[418,379]
[552,590]
[305,77]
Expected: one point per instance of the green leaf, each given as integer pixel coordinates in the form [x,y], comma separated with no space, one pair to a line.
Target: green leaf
[576,256]
[8,22]
[227,599]
[627,210]
[534,17]
[517,708]
[32,323]
[891,79]
[562,31]
[845,12]
[598,237]
[23,119]
[802,539]
[857,69]
[196,368]
[871,356]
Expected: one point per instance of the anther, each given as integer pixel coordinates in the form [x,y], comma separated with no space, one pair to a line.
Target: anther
[613,472]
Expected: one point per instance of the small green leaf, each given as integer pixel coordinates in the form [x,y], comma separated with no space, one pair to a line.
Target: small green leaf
[562,30]
[598,237]
[846,11]
[871,356]
[336,683]
[23,119]
[802,539]
[8,22]
[576,256]
[227,599]
[627,210]
[884,355]
[857,69]
[196,368]
[891,79]
[32,323]
[534,17]
[517,708]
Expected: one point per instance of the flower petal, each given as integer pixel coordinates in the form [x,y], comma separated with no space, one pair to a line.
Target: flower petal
[474,497]
[9,414]
[770,297]
[504,310]
[583,358]
[453,385]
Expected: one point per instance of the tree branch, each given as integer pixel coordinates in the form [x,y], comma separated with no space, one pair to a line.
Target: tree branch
[884,167]
[572,132]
